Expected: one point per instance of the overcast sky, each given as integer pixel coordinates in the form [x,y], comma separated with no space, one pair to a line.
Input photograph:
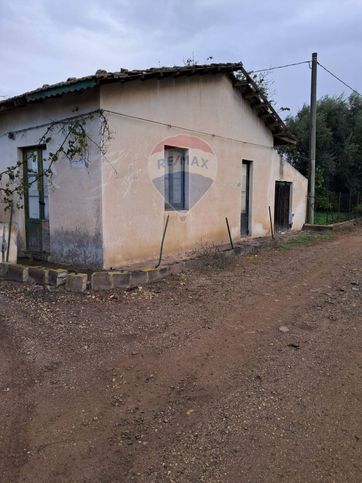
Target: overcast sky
[47,41]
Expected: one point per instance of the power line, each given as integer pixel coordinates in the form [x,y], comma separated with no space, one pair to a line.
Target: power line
[137,118]
[52,123]
[279,67]
[183,128]
[306,62]
[339,79]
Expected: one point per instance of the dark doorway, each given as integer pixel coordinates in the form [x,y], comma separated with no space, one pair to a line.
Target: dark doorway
[245,198]
[282,221]
[36,200]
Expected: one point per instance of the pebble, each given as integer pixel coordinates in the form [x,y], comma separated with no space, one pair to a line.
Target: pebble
[283,328]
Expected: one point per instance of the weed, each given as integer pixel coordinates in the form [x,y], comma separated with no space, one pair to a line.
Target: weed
[305,239]
[213,255]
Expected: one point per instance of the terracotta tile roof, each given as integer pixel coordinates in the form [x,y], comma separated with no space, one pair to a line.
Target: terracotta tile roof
[235,71]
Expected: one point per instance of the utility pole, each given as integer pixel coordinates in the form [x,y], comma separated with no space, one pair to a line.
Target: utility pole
[312,139]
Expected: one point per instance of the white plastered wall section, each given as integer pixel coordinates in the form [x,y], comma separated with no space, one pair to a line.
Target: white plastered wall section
[133,210]
[75,205]
[283,171]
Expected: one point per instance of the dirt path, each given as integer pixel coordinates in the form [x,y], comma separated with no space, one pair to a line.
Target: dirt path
[191,379]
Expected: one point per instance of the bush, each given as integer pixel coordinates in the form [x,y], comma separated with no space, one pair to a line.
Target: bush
[358,210]
[323,197]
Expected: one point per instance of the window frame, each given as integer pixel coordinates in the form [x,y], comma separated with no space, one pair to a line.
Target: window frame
[170,204]
[40,183]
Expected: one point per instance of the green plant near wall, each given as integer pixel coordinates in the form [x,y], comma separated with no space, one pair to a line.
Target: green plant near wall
[74,142]
[322,194]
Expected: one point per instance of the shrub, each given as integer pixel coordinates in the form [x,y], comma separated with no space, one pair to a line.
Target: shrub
[358,210]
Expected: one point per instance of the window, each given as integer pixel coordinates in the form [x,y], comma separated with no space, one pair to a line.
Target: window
[36,183]
[36,199]
[245,215]
[176,178]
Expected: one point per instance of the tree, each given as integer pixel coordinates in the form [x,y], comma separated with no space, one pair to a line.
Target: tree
[339,143]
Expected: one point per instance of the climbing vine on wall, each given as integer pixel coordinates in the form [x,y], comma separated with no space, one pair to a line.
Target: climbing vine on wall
[74,141]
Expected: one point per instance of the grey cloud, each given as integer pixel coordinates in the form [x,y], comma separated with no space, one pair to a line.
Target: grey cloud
[45,41]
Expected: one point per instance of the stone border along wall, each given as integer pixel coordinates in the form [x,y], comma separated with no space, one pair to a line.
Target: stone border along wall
[79,282]
[341,225]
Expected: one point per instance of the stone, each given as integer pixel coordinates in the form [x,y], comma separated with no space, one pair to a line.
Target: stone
[76,282]
[158,274]
[109,280]
[18,273]
[283,328]
[120,279]
[57,277]
[138,278]
[294,345]
[164,272]
[101,281]
[177,268]
[3,269]
[38,275]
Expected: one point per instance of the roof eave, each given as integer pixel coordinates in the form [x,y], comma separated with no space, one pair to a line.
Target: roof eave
[284,140]
[103,77]
[244,83]
[252,93]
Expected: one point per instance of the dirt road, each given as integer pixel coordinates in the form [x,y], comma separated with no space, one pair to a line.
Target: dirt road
[190,379]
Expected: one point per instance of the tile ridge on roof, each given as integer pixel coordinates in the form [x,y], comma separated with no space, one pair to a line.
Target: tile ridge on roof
[260,103]
[122,73]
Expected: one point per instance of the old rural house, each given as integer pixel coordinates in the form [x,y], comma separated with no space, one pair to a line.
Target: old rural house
[195,143]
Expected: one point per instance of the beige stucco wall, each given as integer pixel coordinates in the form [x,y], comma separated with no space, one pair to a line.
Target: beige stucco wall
[75,192]
[133,210]
[109,213]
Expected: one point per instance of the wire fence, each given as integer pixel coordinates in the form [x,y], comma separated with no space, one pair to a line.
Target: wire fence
[336,207]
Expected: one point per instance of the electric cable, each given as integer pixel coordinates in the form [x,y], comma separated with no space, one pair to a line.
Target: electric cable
[339,79]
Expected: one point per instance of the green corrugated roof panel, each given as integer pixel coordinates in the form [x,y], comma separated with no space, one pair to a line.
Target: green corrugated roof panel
[59,90]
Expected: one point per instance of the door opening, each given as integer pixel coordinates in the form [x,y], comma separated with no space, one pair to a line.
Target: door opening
[36,200]
[245,198]
[282,215]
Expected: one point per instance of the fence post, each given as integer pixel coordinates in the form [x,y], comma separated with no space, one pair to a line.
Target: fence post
[162,242]
[229,233]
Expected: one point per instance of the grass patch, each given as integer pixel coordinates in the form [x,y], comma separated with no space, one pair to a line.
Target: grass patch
[305,239]
[327,218]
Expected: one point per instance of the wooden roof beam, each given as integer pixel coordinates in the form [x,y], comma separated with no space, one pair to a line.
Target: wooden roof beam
[241,83]
[273,124]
